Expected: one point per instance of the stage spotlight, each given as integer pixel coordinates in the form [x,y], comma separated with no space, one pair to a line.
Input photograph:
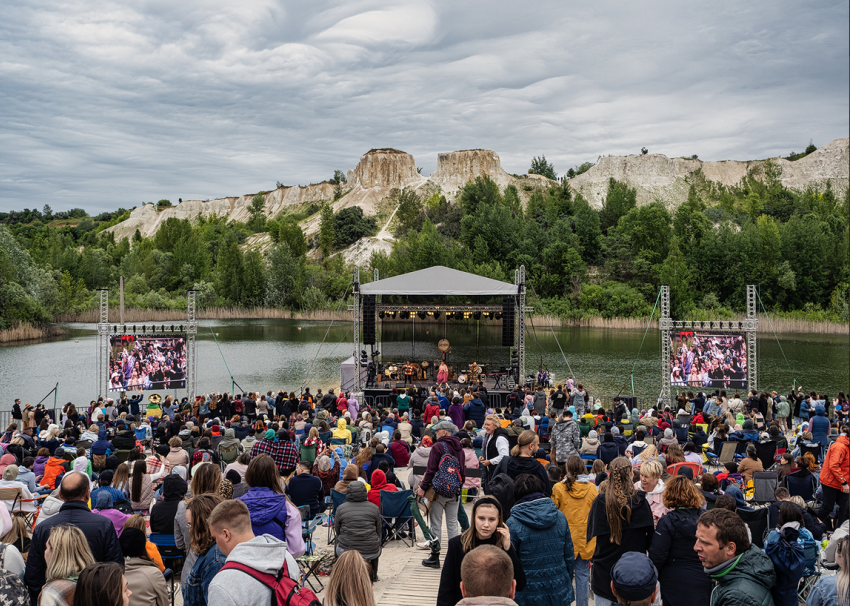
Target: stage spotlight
[476,315]
[740,325]
[181,328]
[144,328]
[162,328]
[711,325]
[405,315]
[422,315]
[172,328]
[498,315]
[381,315]
[436,315]
[134,328]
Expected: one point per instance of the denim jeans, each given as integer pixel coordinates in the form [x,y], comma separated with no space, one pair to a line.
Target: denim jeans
[462,518]
[598,600]
[582,574]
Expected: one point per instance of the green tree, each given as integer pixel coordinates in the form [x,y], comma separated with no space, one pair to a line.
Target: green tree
[338,180]
[539,166]
[163,204]
[284,277]
[648,231]
[350,225]
[254,280]
[257,210]
[690,224]
[620,200]
[677,275]
[326,230]
[409,214]
[586,227]
[290,233]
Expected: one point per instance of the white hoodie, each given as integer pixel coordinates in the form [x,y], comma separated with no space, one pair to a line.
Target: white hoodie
[264,554]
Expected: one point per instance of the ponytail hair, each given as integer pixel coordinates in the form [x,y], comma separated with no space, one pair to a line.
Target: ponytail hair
[525,438]
[575,467]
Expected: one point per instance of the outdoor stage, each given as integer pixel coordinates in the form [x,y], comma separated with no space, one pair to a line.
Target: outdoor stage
[381,393]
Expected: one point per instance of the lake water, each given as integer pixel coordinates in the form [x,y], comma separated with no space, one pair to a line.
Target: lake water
[273,354]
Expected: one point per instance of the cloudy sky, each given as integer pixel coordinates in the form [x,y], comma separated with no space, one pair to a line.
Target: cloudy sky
[106,104]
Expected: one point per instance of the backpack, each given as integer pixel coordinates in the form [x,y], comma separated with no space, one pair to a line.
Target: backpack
[501,487]
[285,591]
[229,453]
[13,592]
[447,481]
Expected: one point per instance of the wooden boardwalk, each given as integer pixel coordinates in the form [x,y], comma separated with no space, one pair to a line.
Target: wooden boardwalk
[416,585]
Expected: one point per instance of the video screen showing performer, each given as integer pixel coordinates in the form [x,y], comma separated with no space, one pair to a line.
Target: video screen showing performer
[146,363]
[708,360]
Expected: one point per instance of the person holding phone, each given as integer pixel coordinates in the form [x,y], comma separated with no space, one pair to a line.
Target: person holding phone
[487,528]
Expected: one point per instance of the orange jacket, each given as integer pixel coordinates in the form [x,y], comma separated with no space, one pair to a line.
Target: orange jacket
[53,469]
[836,464]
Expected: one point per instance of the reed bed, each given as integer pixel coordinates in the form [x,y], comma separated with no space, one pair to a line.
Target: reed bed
[28,332]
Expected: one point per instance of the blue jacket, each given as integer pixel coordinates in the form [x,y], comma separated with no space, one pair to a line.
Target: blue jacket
[444,402]
[197,586]
[475,411]
[819,425]
[541,537]
[268,511]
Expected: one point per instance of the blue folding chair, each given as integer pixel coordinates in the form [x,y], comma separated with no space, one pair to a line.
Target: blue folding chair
[337,498]
[588,459]
[395,505]
[338,441]
[801,487]
[168,550]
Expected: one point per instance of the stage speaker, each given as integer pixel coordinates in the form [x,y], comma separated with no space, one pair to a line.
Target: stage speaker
[369,319]
[508,318]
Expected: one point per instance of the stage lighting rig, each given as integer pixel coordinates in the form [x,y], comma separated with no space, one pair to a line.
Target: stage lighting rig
[476,315]
[422,315]
[436,315]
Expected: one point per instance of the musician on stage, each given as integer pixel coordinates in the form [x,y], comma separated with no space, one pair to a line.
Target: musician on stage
[443,375]
[408,373]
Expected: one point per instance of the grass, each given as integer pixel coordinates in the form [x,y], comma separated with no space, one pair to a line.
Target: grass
[28,332]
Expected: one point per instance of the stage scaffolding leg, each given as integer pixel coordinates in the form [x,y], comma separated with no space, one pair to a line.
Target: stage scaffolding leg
[664,325]
[191,347]
[103,345]
[519,280]
[751,325]
[358,388]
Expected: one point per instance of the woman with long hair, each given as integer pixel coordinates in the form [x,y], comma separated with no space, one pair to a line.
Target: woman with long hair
[265,498]
[674,454]
[574,497]
[141,486]
[350,582]
[672,549]
[66,555]
[523,460]
[650,453]
[210,558]
[205,480]
[487,528]
[620,520]
[835,589]
[103,584]
[121,479]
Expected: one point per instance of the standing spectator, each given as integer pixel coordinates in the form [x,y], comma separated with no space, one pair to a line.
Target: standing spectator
[144,579]
[680,573]
[476,411]
[522,460]
[835,479]
[621,521]
[652,484]
[487,578]
[833,590]
[495,445]
[574,497]
[744,573]
[98,531]
[578,397]
[66,556]
[447,444]
[210,559]
[634,580]
[541,536]
[205,480]
[565,436]
[488,528]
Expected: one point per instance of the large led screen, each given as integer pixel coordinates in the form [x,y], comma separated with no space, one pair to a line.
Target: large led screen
[147,363]
[699,359]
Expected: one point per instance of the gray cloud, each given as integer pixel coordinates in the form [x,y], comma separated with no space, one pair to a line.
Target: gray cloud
[105,104]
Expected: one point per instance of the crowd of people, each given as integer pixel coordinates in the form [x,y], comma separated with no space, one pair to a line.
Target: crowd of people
[552,499]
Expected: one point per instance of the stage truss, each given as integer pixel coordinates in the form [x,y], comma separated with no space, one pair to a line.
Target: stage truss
[749,327]
[105,330]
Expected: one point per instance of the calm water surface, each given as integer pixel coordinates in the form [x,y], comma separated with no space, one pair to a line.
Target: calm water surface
[273,354]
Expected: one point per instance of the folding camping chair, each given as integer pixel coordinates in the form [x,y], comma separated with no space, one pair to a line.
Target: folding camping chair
[812,572]
[726,454]
[801,487]
[472,472]
[588,460]
[765,484]
[759,522]
[337,499]
[766,451]
[696,468]
[815,450]
[168,550]
[396,506]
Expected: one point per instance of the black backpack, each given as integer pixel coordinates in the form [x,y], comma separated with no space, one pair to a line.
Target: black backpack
[501,487]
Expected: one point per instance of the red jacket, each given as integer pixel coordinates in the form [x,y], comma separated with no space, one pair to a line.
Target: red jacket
[379,483]
[835,472]
[431,410]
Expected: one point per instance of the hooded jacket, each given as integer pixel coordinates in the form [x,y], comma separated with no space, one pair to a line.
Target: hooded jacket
[745,582]
[682,577]
[357,523]
[38,466]
[475,411]
[264,554]
[565,436]
[53,469]
[446,444]
[541,536]
[164,511]
[104,507]
[379,483]
[575,504]
[268,511]
[590,444]
[146,582]
[819,425]
[455,412]
[836,464]
[342,432]
[516,466]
